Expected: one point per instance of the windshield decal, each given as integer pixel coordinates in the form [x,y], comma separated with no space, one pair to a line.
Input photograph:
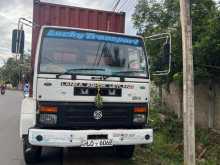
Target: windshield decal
[92,36]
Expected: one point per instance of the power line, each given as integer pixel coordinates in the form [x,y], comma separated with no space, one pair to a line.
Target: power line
[134,2]
[130,7]
[113,4]
[123,5]
[116,5]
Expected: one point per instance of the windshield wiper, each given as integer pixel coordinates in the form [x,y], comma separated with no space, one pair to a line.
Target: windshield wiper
[75,69]
[129,71]
[69,71]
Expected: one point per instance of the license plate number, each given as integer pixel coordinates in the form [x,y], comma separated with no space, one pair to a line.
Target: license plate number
[97,143]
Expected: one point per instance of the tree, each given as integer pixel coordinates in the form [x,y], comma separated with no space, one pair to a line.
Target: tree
[12,71]
[157,16]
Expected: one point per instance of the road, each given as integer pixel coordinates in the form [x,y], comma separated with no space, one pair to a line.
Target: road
[11,146]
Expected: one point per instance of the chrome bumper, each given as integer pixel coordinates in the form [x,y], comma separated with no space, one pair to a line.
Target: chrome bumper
[75,138]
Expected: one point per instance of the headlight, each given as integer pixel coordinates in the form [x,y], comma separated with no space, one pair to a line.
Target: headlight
[139,118]
[140,114]
[48,119]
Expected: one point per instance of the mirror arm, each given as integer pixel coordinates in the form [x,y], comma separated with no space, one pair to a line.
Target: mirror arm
[28,22]
[158,36]
[22,21]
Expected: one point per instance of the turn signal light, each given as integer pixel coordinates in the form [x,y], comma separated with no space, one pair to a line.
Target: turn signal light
[48,109]
[140,109]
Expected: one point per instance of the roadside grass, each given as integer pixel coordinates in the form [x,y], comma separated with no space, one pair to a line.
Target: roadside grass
[167,148]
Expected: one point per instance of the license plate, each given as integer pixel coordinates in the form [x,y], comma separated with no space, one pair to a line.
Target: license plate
[97,143]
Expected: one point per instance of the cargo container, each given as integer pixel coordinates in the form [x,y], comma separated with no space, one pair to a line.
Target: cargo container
[77,17]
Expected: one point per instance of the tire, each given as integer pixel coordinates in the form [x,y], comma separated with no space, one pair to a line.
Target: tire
[31,153]
[125,152]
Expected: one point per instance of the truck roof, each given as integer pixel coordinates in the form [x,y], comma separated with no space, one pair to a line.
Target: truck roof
[92,30]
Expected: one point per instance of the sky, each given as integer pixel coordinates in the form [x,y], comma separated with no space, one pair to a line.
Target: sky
[12,10]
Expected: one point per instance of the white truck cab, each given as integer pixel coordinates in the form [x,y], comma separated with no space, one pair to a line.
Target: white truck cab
[91,89]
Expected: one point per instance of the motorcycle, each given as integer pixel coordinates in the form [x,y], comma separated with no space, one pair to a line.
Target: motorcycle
[2,91]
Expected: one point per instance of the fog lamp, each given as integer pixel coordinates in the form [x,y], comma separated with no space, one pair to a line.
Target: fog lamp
[48,119]
[139,118]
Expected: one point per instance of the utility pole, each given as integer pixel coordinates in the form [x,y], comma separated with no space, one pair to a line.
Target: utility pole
[188,84]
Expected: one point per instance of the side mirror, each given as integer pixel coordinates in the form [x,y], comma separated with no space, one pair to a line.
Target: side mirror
[18,38]
[166,53]
[165,58]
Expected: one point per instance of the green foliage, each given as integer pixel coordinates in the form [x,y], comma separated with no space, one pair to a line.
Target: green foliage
[98,101]
[178,78]
[157,16]
[12,71]
[168,142]
[98,98]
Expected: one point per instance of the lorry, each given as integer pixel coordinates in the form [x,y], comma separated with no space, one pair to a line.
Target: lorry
[90,82]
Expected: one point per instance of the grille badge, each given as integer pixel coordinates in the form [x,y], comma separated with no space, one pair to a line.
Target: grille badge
[97,115]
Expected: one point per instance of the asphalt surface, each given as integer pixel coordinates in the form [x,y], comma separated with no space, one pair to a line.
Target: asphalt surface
[11,147]
[10,144]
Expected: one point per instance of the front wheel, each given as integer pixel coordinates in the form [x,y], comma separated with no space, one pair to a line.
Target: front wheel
[125,152]
[32,153]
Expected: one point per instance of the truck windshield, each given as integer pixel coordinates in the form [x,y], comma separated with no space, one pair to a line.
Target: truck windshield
[74,52]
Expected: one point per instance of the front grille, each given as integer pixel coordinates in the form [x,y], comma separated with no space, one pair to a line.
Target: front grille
[82,116]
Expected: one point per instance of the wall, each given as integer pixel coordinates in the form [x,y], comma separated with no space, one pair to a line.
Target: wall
[173,99]
[207,103]
[217,107]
